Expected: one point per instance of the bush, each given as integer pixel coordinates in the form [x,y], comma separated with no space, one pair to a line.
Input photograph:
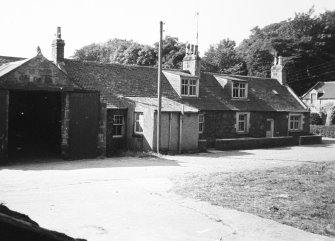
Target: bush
[316,119]
[326,131]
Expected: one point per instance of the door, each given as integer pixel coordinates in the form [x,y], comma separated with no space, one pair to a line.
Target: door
[4,102]
[269,128]
[84,125]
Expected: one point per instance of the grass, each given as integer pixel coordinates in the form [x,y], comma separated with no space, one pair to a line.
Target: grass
[302,197]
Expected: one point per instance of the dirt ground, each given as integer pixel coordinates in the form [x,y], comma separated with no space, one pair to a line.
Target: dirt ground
[128,198]
[302,197]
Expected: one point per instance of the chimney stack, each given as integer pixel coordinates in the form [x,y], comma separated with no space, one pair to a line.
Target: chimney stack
[58,47]
[278,70]
[191,61]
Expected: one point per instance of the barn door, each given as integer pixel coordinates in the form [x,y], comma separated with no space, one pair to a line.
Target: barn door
[84,125]
[4,102]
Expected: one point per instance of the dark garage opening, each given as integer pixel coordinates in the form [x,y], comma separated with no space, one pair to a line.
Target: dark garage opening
[34,124]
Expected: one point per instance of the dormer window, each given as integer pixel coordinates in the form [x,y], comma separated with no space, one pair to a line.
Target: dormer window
[189,87]
[240,90]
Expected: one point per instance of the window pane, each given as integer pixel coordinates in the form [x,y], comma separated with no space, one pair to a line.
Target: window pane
[192,90]
[242,93]
[118,125]
[242,122]
[184,87]
[188,87]
[235,90]
[239,90]
[241,126]
[295,122]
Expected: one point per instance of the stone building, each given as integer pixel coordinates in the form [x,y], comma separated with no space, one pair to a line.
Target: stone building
[321,95]
[97,109]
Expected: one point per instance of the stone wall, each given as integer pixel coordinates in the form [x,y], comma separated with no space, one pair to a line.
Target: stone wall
[65,125]
[102,130]
[38,73]
[4,104]
[222,125]
[218,124]
[252,143]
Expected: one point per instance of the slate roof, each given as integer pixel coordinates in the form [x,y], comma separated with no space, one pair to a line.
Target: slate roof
[116,81]
[8,67]
[8,59]
[264,94]
[167,104]
[326,90]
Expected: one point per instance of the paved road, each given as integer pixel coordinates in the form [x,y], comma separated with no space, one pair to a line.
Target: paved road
[128,199]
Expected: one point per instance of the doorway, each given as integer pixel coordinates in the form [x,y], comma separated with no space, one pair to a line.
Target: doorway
[34,124]
[269,128]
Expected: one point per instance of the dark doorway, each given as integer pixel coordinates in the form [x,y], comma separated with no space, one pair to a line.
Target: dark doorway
[34,124]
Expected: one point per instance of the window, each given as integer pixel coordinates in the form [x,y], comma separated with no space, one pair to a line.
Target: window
[313,98]
[295,122]
[138,127]
[189,87]
[118,126]
[240,90]
[242,122]
[201,123]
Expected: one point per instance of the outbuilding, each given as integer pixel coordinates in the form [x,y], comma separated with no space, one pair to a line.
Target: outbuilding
[43,113]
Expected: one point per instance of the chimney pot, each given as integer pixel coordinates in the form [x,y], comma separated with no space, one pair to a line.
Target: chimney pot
[191,61]
[188,48]
[280,60]
[59,34]
[275,60]
[58,47]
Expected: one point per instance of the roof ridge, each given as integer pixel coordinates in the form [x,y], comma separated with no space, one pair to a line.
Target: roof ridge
[123,65]
[2,56]
[236,75]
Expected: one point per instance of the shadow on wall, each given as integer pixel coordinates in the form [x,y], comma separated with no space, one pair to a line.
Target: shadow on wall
[58,164]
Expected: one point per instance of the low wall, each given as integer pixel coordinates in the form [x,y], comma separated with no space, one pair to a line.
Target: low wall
[309,140]
[253,143]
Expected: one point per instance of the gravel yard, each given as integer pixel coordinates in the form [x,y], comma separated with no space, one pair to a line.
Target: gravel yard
[130,198]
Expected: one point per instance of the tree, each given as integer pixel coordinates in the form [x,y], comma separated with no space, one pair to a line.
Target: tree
[223,58]
[92,52]
[130,52]
[173,52]
[304,41]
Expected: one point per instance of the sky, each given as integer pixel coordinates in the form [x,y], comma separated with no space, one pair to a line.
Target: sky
[27,24]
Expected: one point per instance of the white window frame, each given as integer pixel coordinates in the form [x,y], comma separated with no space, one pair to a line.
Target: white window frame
[201,119]
[297,123]
[246,122]
[189,85]
[239,90]
[121,123]
[140,121]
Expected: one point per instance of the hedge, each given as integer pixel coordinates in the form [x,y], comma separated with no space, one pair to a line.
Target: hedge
[326,131]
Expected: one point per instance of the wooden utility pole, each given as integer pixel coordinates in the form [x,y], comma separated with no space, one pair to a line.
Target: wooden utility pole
[159,91]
